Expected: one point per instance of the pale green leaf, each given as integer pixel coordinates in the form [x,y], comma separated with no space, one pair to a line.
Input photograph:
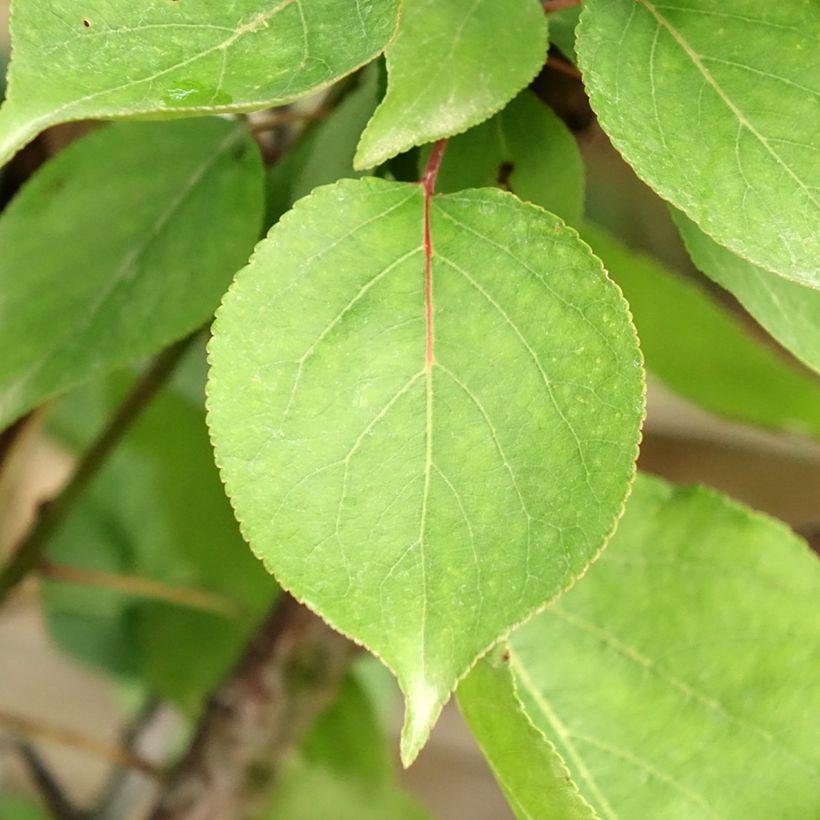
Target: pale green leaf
[159,58]
[157,510]
[528,768]
[789,311]
[679,679]
[526,147]
[700,351]
[453,64]
[118,246]
[325,152]
[715,105]
[424,484]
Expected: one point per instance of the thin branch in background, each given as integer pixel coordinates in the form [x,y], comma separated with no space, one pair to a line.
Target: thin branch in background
[52,513]
[288,674]
[279,117]
[142,588]
[48,788]
[558,5]
[24,727]
[557,64]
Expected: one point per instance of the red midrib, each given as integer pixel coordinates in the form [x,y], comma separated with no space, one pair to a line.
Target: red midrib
[428,181]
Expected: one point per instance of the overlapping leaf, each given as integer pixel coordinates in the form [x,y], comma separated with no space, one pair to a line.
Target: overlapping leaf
[702,352]
[162,58]
[789,311]
[453,64]
[528,768]
[118,246]
[424,460]
[716,106]
[678,680]
[526,147]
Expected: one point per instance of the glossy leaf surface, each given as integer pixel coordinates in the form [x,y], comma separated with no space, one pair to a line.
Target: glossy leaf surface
[715,105]
[104,263]
[529,770]
[156,58]
[678,680]
[439,83]
[424,460]
[789,311]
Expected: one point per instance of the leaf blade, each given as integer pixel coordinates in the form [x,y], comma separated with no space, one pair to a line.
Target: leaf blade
[713,113]
[370,459]
[449,90]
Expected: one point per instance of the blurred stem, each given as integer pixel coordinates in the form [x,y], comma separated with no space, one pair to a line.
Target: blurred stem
[48,788]
[24,727]
[142,587]
[558,5]
[289,672]
[53,513]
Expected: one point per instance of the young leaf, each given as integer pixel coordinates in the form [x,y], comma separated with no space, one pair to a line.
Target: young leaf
[527,766]
[715,106]
[528,148]
[116,59]
[424,448]
[789,311]
[679,679]
[701,352]
[453,64]
[120,245]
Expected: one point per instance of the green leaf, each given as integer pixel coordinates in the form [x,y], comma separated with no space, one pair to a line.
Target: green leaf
[700,351]
[120,245]
[679,679]
[790,312]
[13,807]
[452,65]
[715,106]
[562,25]
[532,774]
[325,153]
[424,460]
[115,59]
[157,510]
[528,148]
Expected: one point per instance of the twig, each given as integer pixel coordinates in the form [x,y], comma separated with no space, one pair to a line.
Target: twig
[289,672]
[142,587]
[30,551]
[29,727]
[563,66]
[558,5]
[48,788]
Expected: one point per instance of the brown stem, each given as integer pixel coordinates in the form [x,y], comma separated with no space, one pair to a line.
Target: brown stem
[50,791]
[24,727]
[558,5]
[31,549]
[141,587]
[289,672]
[563,66]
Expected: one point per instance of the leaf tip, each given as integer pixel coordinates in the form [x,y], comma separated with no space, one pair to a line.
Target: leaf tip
[424,703]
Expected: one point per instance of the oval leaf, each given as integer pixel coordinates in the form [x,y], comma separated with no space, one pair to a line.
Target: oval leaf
[528,768]
[104,263]
[438,78]
[424,459]
[105,59]
[789,311]
[713,105]
[679,679]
